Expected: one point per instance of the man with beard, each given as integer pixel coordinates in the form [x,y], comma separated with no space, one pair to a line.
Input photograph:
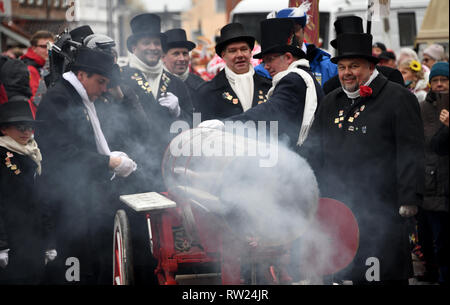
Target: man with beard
[353,24]
[236,88]
[366,148]
[176,60]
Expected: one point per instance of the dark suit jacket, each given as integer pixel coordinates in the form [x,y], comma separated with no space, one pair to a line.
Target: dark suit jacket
[393,75]
[286,106]
[74,174]
[219,101]
[193,82]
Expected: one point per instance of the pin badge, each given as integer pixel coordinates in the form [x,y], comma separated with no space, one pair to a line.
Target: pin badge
[362,108]
[9,155]
[341,118]
[341,112]
[235,101]
[351,119]
[340,125]
[336,120]
[351,128]
[364,129]
[17,172]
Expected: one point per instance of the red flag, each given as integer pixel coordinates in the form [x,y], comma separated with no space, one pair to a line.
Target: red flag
[312,28]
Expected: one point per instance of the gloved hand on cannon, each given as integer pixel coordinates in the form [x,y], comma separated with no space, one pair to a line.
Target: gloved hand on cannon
[121,164]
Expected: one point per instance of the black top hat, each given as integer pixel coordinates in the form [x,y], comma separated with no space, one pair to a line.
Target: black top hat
[176,38]
[16,112]
[78,34]
[144,25]
[230,33]
[354,45]
[348,24]
[277,36]
[387,55]
[95,61]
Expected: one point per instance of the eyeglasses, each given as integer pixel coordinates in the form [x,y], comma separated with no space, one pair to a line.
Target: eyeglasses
[24,127]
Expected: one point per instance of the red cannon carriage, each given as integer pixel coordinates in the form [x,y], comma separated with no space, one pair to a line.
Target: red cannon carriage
[231,214]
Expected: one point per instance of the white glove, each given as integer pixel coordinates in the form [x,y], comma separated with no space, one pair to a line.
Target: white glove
[171,101]
[4,258]
[125,168]
[50,255]
[408,210]
[118,154]
[214,124]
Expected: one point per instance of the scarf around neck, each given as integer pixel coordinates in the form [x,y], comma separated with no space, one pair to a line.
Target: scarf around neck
[242,85]
[30,149]
[356,94]
[100,141]
[310,98]
[183,76]
[152,74]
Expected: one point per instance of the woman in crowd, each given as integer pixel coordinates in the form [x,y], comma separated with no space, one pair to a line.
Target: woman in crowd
[22,255]
[414,78]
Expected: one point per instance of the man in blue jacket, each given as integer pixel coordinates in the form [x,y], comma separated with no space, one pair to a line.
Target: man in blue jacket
[319,61]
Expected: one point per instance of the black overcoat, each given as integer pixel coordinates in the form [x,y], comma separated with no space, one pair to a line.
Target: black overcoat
[286,106]
[152,141]
[192,83]
[219,101]
[23,220]
[370,155]
[75,178]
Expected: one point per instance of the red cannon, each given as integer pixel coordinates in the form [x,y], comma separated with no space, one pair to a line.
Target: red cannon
[233,208]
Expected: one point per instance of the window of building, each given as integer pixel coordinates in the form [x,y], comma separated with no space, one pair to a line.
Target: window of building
[407,28]
[220,6]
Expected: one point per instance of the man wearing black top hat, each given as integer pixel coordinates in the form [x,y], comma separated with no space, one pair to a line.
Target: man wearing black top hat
[295,93]
[236,88]
[78,164]
[163,96]
[353,24]
[366,148]
[176,60]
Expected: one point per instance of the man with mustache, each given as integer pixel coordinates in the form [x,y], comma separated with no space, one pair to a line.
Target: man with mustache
[236,88]
[366,148]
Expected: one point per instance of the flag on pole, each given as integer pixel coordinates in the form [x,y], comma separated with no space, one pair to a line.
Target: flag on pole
[312,27]
[378,10]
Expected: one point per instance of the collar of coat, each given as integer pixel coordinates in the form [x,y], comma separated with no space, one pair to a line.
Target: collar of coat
[377,85]
[221,82]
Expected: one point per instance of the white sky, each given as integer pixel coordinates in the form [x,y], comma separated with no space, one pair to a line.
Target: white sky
[172,5]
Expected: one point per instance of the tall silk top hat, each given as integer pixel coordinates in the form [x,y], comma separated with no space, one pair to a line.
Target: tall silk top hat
[94,61]
[277,36]
[16,112]
[349,24]
[354,45]
[233,32]
[144,25]
[176,38]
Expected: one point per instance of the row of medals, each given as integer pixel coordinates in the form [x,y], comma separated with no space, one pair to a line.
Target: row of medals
[235,101]
[351,119]
[8,164]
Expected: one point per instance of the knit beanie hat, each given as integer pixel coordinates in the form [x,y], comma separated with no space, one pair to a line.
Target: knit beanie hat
[439,69]
[435,51]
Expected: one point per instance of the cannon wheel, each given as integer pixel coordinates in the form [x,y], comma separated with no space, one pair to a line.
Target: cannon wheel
[123,252]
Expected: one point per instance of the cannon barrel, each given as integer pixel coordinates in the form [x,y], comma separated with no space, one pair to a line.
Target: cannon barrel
[229,176]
